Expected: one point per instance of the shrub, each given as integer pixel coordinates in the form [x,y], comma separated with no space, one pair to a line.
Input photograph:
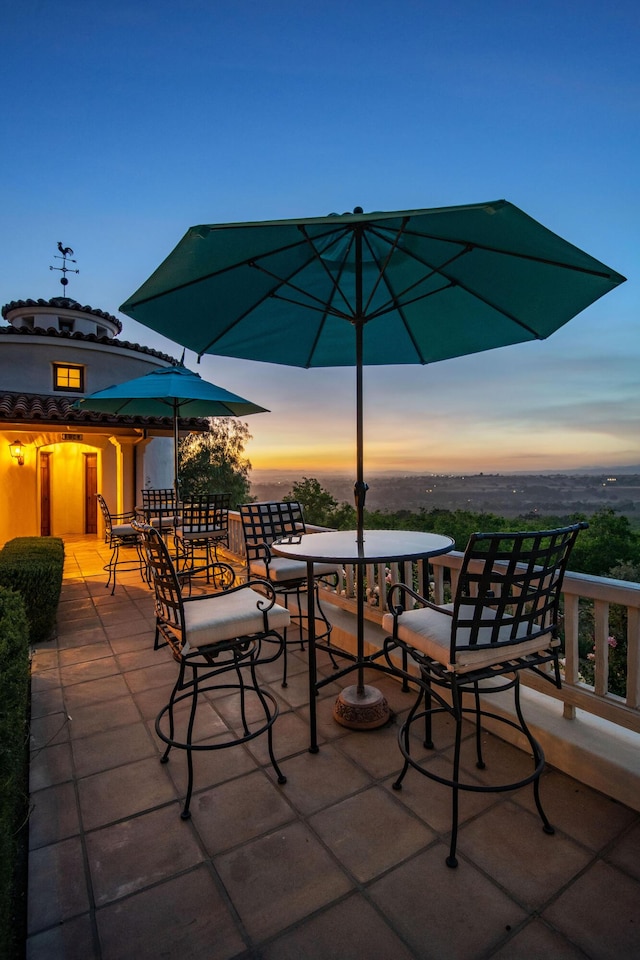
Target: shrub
[14,686]
[33,567]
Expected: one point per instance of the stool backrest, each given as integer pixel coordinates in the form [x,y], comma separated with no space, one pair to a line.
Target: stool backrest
[168,595]
[208,513]
[159,497]
[268,521]
[509,588]
[106,514]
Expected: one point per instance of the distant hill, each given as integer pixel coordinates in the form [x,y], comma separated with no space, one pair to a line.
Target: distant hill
[609,471]
[289,476]
[507,495]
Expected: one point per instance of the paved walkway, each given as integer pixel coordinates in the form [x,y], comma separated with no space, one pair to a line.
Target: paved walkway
[334,865]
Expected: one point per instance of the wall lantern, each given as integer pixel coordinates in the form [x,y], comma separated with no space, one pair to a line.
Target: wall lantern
[17,452]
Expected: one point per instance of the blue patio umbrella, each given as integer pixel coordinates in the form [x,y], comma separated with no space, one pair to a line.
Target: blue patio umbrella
[169,392]
[413,286]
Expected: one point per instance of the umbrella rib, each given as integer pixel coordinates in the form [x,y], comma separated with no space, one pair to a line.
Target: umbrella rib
[383,278]
[318,309]
[311,302]
[394,302]
[521,255]
[447,286]
[451,282]
[280,282]
[335,283]
[241,316]
[382,267]
[216,273]
[308,296]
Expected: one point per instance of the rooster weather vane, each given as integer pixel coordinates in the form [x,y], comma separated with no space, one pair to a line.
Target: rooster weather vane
[67,254]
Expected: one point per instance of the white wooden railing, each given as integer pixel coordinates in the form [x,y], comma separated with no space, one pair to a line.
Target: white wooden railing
[577,589]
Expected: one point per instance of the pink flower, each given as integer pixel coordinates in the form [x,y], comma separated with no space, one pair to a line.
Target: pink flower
[612,642]
[591,656]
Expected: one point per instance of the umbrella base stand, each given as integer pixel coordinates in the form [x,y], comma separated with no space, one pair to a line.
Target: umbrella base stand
[361,711]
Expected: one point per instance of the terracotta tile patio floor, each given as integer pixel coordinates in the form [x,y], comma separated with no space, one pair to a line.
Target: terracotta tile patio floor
[333,865]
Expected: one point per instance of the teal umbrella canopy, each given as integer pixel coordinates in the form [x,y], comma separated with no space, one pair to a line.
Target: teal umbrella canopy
[414,286]
[427,284]
[169,392]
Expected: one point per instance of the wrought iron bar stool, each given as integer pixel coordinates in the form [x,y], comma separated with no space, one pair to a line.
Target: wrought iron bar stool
[119,532]
[504,619]
[264,522]
[160,508]
[202,527]
[218,640]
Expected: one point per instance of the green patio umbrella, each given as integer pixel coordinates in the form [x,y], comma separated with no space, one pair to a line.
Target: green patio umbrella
[414,286]
[169,392]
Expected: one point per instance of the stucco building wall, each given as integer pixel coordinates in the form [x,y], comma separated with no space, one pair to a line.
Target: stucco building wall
[67,453]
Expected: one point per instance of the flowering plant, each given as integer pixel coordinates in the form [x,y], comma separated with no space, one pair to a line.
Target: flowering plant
[617,680]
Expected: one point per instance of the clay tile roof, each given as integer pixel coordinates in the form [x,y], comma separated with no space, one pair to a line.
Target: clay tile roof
[62,303]
[89,337]
[31,408]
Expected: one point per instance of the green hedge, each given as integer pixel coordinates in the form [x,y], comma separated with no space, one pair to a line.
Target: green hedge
[14,687]
[33,566]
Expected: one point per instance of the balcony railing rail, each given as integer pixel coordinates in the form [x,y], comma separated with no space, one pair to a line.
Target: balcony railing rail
[579,590]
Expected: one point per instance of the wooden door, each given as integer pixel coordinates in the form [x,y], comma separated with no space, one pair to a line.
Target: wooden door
[45,494]
[90,491]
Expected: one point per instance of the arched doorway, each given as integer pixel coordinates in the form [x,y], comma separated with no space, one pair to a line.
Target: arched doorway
[68,486]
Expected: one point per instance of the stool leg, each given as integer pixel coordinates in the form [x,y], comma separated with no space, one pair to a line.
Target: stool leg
[452,860]
[538,759]
[480,764]
[113,563]
[268,715]
[403,737]
[186,813]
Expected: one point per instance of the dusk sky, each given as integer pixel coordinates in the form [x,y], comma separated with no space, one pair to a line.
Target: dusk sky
[126,123]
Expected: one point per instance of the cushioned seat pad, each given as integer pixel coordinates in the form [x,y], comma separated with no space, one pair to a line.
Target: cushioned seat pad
[429,631]
[123,530]
[282,569]
[225,616]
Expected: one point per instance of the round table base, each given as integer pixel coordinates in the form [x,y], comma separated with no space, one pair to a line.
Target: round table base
[366,711]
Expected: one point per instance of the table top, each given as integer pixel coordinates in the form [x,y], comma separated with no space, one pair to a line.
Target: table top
[341,546]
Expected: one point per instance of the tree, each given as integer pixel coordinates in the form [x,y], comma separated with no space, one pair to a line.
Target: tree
[318,504]
[608,542]
[214,462]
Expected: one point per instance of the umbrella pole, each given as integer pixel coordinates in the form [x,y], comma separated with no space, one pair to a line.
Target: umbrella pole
[176,469]
[360,492]
[361,706]
[360,488]
[176,456]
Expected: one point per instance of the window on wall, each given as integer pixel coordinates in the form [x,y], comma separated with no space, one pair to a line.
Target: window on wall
[69,377]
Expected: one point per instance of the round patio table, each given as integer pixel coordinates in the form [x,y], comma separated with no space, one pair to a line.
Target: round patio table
[360,706]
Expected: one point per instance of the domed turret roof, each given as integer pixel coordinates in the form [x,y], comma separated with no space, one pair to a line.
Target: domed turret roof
[61,303]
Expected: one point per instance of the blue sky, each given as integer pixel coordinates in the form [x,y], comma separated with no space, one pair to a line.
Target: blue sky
[126,123]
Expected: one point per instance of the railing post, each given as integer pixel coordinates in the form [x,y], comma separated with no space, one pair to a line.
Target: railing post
[633,657]
[438,584]
[571,613]
[601,631]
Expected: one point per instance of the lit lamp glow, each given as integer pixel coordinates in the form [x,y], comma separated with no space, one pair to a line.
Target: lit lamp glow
[17,452]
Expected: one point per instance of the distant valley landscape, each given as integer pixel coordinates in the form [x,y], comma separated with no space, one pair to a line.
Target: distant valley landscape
[508,495]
